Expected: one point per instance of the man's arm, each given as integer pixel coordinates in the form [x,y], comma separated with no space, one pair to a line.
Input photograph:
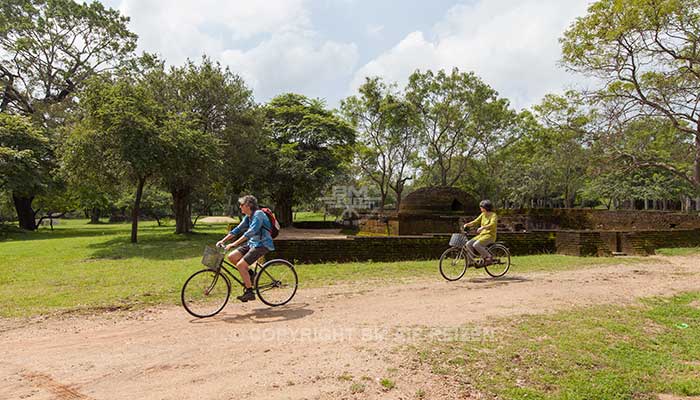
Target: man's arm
[234,232]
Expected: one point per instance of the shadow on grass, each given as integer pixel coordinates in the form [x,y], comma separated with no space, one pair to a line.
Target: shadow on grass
[158,246]
[74,230]
[64,233]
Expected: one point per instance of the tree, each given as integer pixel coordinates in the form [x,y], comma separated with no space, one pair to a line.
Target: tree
[48,49]
[567,125]
[23,154]
[190,158]
[404,136]
[122,127]
[621,150]
[308,146]
[456,112]
[388,136]
[377,145]
[217,117]
[646,54]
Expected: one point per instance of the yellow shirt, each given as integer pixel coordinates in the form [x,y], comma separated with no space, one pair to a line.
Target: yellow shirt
[487,221]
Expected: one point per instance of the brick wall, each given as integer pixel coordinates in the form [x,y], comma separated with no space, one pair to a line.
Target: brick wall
[395,248]
[379,226]
[617,220]
[417,224]
[603,243]
[645,242]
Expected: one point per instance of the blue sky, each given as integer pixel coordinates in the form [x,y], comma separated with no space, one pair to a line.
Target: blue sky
[325,48]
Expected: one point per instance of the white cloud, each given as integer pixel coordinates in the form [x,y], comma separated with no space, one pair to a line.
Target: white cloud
[295,62]
[375,30]
[188,28]
[270,43]
[511,44]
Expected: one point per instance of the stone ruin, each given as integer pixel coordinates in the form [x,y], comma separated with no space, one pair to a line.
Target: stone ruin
[441,210]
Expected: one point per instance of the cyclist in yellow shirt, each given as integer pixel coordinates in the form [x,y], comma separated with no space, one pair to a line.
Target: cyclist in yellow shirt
[486,233]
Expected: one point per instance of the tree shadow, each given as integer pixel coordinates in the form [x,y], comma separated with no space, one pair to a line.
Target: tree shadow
[157,246]
[122,231]
[59,233]
[263,315]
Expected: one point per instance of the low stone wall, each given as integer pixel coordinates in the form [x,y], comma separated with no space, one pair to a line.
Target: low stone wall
[602,220]
[379,226]
[646,242]
[604,243]
[393,248]
[414,223]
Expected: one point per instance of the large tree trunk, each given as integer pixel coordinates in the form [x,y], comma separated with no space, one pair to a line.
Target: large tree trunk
[25,212]
[95,215]
[696,169]
[283,209]
[398,199]
[136,211]
[182,209]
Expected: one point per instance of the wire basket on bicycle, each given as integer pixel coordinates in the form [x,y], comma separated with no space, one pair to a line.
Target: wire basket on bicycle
[212,258]
[458,239]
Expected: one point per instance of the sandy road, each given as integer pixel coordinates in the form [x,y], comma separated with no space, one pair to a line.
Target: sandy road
[318,346]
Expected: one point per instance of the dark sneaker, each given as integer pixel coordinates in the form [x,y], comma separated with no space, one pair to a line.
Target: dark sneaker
[248,295]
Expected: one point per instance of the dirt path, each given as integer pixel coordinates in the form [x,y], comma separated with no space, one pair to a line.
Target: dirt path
[325,344]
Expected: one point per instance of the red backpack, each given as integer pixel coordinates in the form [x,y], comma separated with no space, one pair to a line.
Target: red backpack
[273,222]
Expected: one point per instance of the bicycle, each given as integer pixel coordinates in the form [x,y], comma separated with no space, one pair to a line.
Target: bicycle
[455,260]
[206,292]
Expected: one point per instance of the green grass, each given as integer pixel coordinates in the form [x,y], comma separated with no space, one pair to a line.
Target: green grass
[357,387]
[79,266]
[311,216]
[679,251]
[604,352]
[387,383]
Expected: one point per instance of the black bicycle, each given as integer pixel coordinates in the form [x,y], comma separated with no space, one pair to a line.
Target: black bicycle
[207,291]
[455,260]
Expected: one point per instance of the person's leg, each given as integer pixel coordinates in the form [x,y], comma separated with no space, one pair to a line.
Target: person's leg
[249,258]
[480,246]
[242,267]
[470,247]
[235,256]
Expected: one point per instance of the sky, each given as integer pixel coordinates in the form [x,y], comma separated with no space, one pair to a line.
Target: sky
[325,48]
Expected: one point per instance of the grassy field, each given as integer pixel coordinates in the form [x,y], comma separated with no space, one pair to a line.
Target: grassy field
[311,216]
[606,352]
[79,266]
[679,251]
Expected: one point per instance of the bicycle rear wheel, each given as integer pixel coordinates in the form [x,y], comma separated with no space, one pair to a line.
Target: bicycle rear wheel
[501,261]
[276,283]
[205,293]
[453,263]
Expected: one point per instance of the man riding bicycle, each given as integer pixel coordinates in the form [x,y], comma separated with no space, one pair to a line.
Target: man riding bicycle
[256,228]
[486,233]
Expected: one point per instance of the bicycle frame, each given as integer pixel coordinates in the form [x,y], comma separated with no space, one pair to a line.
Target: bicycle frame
[471,258]
[233,267]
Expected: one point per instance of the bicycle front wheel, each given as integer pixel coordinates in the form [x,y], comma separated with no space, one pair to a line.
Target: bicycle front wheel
[205,293]
[501,261]
[453,263]
[276,283]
